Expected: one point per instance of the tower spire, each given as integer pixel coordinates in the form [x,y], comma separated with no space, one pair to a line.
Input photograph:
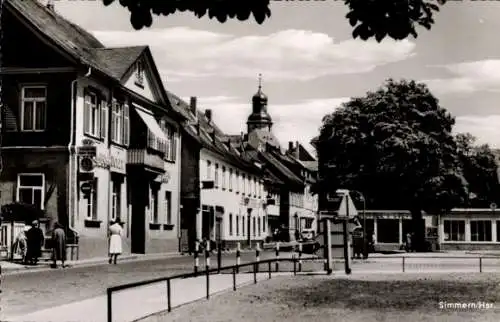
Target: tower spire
[260,81]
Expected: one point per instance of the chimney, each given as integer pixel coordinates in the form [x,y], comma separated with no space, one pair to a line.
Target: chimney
[297,151]
[208,115]
[192,105]
[50,5]
[290,146]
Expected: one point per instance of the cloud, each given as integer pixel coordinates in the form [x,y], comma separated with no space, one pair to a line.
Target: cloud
[469,77]
[184,53]
[292,122]
[485,128]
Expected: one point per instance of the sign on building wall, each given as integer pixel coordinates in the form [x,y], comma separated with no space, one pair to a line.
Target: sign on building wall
[114,160]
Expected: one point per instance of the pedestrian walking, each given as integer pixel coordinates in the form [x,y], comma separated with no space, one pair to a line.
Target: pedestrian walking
[21,244]
[408,245]
[58,245]
[115,240]
[35,241]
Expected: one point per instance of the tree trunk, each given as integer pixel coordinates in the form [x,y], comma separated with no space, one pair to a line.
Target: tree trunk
[418,237]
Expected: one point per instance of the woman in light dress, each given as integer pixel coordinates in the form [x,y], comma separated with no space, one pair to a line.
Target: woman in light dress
[21,244]
[115,240]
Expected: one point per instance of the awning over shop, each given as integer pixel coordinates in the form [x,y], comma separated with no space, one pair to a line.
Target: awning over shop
[150,122]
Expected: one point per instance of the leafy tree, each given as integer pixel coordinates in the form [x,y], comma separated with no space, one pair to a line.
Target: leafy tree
[396,146]
[369,18]
[480,171]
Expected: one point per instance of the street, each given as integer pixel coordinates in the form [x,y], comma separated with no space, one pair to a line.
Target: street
[32,291]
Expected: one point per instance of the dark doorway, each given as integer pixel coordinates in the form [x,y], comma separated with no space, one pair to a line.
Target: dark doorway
[139,197]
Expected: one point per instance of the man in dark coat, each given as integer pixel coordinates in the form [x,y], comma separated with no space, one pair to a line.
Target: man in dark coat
[58,244]
[36,239]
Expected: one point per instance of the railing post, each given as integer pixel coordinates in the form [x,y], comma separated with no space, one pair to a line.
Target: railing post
[269,266]
[196,259]
[257,255]
[238,257]
[255,273]
[277,256]
[169,296]
[207,264]
[234,278]
[300,257]
[403,264]
[480,264]
[110,306]
[219,258]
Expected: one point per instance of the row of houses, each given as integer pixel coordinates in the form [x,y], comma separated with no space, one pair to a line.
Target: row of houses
[90,134]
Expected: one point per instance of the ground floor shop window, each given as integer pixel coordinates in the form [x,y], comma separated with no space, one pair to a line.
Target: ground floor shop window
[230,224]
[92,201]
[167,206]
[308,223]
[498,230]
[480,230]
[116,196]
[153,203]
[31,189]
[454,230]
[388,230]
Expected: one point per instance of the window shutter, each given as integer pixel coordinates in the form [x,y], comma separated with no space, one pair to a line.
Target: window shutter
[113,121]
[174,145]
[86,111]
[126,125]
[104,119]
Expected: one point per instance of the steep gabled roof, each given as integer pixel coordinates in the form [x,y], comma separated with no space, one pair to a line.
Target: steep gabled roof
[118,60]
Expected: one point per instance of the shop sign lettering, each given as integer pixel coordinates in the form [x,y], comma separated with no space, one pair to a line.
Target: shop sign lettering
[110,162]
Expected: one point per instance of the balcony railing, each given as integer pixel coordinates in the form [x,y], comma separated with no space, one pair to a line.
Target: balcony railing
[144,158]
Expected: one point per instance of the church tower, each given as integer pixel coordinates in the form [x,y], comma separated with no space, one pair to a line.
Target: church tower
[259,119]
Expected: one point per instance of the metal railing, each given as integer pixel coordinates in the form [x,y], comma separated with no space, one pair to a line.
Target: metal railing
[479,261]
[235,269]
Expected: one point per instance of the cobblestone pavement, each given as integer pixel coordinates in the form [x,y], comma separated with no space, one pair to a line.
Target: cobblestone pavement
[29,292]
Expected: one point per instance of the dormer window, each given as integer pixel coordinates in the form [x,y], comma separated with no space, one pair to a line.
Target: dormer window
[139,74]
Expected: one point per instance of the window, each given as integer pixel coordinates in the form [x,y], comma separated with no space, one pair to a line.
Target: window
[33,108]
[498,230]
[230,224]
[237,225]
[31,189]
[253,226]
[139,74]
[104,119]
[308,223]
[480,230]
[153,203]
[252,186]
[216,175]
[223,177]
[264,219]
[120,123]
[92,201]
[454,230]
[116,199]
[238,183]
[249,190]
[167,206]
[258,225]
[230,179]
[92,115]
[170,146]
[388,230]
[243,182]
[243,225]
[209,170]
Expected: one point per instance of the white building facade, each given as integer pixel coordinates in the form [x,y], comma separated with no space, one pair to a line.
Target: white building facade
[233,208]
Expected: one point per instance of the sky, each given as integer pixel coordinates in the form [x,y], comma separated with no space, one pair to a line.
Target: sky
[310,63]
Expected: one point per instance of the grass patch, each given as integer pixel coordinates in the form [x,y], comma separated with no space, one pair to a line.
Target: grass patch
[375,297]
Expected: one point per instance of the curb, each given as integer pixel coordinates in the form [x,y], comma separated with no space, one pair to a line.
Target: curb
[125,258]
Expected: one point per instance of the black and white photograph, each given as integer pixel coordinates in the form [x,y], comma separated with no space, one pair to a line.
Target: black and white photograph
[249,161]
